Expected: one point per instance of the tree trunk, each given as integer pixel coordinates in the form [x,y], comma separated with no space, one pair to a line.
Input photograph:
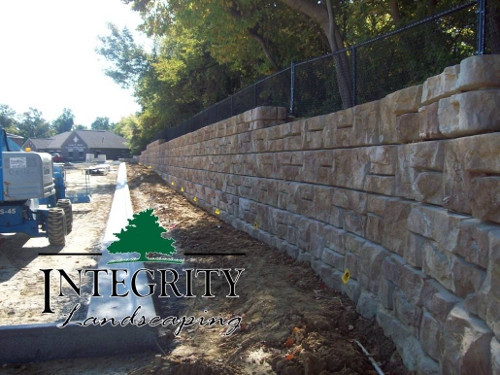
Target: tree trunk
[327,22]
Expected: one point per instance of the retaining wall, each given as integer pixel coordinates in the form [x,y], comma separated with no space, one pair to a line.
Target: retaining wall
[404,192]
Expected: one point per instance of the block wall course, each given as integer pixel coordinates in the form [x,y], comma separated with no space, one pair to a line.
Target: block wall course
[403,191]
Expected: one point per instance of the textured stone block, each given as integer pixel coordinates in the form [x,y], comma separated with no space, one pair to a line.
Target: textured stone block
[477,72]
[428,187]
[411,284]
[367,304]
[365,127]
[437,300]
[349,168]
[334,259]
[437,224]
[386,293]
[465,159]
[408,345]
[495,356]
[408,127]
[395,225]
[414,159]
[466,344]
[414,250]
[467,278]
[380,184]
[469,113]
[430,336]
[489,294]
[441,85]
[370,265]
[409,314]
[374,228]
[438,265]
[485,198]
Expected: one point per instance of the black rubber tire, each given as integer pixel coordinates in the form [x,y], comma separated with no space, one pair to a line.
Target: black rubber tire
[68,212]
[56,226]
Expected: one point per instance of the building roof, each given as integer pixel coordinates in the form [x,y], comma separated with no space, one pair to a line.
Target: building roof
[92,138]
[101,139]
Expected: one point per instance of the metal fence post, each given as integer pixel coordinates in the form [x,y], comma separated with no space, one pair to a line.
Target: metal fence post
[292,86]
[481,26]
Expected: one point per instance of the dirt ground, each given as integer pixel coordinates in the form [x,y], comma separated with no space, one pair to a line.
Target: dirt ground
[21,281]
[290,322]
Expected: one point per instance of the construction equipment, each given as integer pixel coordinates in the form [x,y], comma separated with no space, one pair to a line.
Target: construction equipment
[27,179]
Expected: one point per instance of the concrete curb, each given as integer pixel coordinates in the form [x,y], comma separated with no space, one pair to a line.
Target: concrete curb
[121,211]
[42,342]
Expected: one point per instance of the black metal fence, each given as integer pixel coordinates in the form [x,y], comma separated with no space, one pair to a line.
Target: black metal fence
[361,73]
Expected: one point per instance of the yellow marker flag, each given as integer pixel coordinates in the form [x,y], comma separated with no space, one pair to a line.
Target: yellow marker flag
[195,199]
[346,276]
[182,190]
[255,225]
[217,211]
[173,183]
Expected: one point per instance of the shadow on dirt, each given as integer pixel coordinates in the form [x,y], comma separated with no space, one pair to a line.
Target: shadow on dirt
[14,257]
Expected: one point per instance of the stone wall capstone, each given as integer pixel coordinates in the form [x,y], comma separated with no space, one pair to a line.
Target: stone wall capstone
[404,192]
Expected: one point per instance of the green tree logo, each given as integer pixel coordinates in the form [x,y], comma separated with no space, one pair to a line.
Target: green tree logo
[144,235]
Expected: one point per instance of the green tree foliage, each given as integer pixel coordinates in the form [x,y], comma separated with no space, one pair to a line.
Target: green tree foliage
[33,125]
[65,122]
[128,60]
[143,235]
[101,123]
[207,50]
[7,119]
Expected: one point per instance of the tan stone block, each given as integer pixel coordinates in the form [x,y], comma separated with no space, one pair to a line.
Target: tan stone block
[436,223]
[405,100]
[395,228]
[489,294]
[441,85]
[437,300]
[438,265]
[429,124]
[343,118]
[466,158]
[409,314]
[370,265]
[473,241]
[374,228]
[354,222]
[380,184]
[485,198]
[467,278]
[382,160]
[349,168]
[495,356]
[477,72]
[334,259]
[365,126]
[408,127]
[428,187]
[466,344]
[414,250]
[470,113]
[350,199]
[430,336]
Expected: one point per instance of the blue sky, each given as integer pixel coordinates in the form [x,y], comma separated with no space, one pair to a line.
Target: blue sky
[48,58]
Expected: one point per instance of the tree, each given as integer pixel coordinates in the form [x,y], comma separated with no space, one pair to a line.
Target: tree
[128,59]
[7,119]
[144,235]
[65,122]
[101,123]
[33,125]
